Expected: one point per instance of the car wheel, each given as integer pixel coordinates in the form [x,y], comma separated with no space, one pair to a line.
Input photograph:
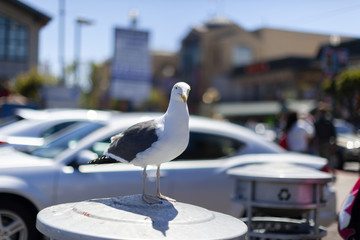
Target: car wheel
[17,222]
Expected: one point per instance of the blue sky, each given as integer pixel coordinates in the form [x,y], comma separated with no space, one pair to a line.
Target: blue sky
[170,20]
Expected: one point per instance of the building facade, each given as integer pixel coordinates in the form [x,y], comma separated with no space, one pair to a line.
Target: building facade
[165,69]
[266,64]
[19,37]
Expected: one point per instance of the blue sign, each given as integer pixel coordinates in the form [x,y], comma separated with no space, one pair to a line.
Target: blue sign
[131,66]
[334,59]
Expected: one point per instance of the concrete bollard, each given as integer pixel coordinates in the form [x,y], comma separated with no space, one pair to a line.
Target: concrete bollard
[128,217]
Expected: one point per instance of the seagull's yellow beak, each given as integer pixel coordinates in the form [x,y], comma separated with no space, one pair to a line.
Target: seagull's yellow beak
[184,97]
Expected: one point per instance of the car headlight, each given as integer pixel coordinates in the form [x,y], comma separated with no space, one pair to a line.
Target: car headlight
[350,145]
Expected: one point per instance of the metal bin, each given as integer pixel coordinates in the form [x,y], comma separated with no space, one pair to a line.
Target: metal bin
[282,192]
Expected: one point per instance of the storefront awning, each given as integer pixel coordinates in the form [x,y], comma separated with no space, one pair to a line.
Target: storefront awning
[263,108]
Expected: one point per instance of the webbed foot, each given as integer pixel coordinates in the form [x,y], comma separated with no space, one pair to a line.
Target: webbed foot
[150,199]
[159,195]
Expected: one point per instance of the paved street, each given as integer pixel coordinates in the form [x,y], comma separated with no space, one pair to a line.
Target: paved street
[344,182]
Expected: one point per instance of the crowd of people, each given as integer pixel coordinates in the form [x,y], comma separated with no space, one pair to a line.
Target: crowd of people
[316,135]
[310,134]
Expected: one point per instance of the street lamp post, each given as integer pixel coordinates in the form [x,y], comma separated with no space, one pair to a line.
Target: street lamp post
[77,46]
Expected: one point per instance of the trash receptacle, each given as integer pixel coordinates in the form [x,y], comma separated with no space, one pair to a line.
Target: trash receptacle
[280,193]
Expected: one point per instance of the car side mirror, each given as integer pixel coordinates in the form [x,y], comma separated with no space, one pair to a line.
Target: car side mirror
[84,157]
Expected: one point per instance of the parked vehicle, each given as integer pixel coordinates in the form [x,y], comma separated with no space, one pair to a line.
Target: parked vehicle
[58,171]
[348,143]
[263,129]
[30,127]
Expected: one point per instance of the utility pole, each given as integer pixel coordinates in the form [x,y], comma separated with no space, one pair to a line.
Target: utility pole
[61,43]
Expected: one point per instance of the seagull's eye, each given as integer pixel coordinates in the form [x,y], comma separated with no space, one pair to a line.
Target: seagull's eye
[176,87]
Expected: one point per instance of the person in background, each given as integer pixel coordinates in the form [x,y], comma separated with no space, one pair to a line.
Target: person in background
[325,135]
[299,133]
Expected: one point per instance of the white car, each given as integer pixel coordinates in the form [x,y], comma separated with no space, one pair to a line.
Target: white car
[58,172]
[347,142]
[33,126]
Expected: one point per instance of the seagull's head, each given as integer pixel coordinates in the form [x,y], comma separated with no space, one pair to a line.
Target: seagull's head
[180,92]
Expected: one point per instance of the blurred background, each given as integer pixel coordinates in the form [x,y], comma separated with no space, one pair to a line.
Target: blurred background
[247,62]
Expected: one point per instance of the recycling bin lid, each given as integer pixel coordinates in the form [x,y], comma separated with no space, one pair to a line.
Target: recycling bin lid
[280,172]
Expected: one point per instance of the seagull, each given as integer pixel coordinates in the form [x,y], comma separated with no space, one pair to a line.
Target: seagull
[153,142]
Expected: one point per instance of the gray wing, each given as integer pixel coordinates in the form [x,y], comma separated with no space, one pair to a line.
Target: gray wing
[135,139]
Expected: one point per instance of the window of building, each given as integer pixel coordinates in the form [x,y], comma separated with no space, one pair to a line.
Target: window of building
[13,40]
[242,55]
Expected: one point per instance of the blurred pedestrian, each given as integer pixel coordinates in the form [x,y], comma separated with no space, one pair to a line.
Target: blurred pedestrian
[325,135]
[299,133]
[286,123]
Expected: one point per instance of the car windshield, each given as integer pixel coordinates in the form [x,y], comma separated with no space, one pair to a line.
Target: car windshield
[69,139]
[343,128]
[9,120]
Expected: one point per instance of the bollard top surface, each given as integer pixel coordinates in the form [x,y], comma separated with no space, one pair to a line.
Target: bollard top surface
[129,217]
[280,172]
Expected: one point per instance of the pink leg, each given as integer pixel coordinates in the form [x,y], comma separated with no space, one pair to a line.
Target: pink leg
[149,199]
[158,193]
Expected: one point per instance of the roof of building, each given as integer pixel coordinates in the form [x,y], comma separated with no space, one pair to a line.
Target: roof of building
[39,16]
[214,23]
[218,21]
